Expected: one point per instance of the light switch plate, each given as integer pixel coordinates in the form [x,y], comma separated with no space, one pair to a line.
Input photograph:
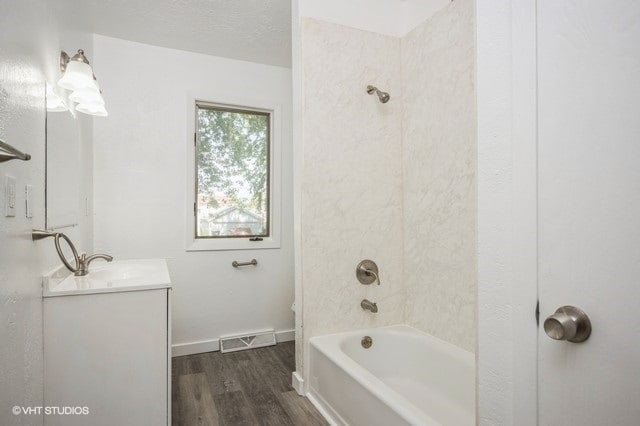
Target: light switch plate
[9,196]
[28,197]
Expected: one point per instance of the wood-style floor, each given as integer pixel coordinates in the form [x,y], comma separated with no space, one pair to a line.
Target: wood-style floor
[251,387]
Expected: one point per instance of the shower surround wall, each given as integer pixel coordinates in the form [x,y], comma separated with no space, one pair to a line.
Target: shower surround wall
[351,178]
[391,182]
[439,176]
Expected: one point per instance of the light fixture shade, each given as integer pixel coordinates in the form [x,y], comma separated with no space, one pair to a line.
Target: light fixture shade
[92,109]
[87,96]
[77,75]
[54,102]
[56,105]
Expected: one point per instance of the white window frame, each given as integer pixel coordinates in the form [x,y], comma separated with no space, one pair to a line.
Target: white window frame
[275,170]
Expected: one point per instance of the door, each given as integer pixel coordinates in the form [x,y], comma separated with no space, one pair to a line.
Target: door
[589,208]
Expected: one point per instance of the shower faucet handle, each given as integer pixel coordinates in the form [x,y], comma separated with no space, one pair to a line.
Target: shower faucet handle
[367,272]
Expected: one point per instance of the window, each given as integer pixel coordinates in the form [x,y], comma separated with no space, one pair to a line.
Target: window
[232,173]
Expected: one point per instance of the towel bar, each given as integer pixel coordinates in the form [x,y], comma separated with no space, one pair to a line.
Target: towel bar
[237,264]
[7,152]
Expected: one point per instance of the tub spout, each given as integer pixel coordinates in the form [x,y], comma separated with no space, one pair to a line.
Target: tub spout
[369,306]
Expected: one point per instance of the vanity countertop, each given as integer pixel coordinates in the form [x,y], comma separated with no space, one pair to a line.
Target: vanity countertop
[112,277]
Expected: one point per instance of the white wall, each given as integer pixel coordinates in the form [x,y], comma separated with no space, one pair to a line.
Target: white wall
[439,177]
[29,55]
[140,172]
[22,29]
[507,218]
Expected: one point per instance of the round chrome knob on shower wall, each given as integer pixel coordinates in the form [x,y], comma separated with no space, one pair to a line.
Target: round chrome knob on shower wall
[568,323]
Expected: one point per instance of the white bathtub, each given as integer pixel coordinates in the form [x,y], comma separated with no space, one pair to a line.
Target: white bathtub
[405,377]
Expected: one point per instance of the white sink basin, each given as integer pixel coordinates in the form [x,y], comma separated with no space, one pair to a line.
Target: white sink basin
[116,276]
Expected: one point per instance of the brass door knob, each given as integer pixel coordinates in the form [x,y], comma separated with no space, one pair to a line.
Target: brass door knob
[568,323]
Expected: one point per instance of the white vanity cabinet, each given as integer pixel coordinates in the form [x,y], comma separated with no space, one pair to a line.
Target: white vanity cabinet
[107,346]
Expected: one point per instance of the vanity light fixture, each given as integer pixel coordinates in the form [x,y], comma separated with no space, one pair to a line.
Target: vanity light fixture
[54,101]
[78,76]
[76,71]
[87,96]
[92,109]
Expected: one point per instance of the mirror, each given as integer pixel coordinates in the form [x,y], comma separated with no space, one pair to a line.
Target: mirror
[63,179]
[68,153]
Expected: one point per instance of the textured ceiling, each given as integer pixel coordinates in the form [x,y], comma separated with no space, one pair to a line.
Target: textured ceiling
[249,30]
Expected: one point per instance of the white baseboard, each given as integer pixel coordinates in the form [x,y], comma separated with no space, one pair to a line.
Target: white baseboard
[298,383]
[212,345]
[285,336]
[191,348]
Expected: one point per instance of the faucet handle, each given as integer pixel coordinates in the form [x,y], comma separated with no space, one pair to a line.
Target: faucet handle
[367,272]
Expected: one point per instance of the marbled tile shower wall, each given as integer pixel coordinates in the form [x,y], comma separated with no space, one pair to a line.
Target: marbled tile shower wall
[392,182]
[352,178]
[439,177]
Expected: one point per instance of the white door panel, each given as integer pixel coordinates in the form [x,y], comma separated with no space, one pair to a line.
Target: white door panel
[589,208]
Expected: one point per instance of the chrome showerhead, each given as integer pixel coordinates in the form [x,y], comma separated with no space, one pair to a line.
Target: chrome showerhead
[383,96]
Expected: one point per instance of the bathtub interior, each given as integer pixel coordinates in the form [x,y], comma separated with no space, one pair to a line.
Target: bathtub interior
[432,375]
[425,370]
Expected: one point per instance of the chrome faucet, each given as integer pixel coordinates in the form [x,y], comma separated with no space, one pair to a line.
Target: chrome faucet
[84,261]
[369,306]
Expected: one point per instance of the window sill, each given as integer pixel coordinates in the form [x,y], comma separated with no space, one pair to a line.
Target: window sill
[205,244]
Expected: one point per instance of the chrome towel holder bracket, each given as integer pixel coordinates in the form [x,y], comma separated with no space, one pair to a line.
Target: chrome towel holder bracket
[7,153]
